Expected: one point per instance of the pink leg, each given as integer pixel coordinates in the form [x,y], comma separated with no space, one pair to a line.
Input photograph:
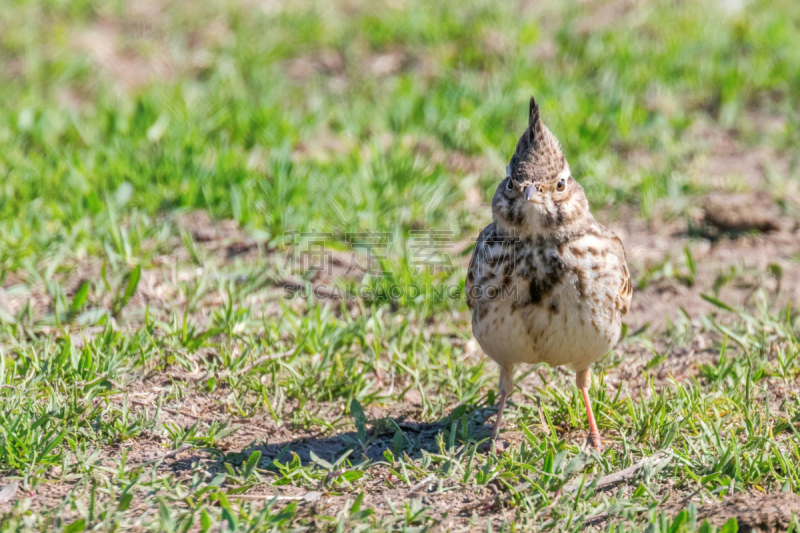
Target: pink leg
[594,434]
[506,387]
[583,380]
[499,420]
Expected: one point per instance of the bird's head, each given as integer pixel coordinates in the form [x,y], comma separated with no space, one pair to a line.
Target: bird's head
[539,194]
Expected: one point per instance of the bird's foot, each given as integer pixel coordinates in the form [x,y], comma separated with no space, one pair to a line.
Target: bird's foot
[593,440]
[499,446]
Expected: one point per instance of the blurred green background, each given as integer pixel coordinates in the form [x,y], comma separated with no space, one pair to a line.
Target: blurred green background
[388,115]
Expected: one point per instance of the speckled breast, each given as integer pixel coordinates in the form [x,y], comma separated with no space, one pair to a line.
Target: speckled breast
[551,303]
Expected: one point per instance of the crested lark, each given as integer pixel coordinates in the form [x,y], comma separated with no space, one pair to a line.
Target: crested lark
[547,283]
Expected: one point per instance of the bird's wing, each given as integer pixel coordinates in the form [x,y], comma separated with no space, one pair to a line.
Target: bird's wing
[478,257]
[625,289]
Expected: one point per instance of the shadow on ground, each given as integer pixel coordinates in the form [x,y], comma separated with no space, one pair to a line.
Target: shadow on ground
[414,438]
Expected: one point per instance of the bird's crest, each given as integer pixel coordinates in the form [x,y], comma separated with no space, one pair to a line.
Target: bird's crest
[538,154]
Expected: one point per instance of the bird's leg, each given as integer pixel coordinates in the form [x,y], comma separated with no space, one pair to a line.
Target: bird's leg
[499,420]
[582,380]
[506,386]
[594,434]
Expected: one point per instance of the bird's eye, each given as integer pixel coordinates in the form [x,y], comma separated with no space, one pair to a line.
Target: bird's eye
[561,185]
[508,184]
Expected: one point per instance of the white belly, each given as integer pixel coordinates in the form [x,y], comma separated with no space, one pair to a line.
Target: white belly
[560,331]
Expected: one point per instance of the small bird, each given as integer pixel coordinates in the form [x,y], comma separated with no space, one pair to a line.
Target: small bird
[546,283]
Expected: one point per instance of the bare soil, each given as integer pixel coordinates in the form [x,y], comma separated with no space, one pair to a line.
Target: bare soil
[735,256]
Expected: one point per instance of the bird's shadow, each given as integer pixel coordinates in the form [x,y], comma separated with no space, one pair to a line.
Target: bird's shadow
[371,442]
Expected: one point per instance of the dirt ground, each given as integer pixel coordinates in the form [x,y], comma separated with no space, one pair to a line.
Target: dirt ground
[756,247]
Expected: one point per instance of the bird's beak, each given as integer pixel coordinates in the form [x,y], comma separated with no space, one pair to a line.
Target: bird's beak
[532,194]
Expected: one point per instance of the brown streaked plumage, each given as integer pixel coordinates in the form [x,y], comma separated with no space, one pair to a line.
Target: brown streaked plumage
[556,278]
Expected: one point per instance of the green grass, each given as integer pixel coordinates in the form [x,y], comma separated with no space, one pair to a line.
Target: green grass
[117,314]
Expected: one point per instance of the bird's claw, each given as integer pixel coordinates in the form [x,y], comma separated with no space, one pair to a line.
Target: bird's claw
[593,440]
